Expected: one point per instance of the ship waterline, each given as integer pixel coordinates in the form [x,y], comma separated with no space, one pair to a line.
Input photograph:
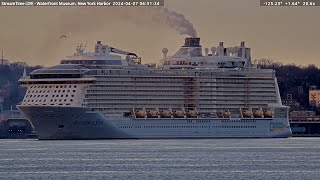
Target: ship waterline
[101,95]
[83,123]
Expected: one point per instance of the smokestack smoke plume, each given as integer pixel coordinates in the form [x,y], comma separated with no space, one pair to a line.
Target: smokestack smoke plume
[95,18]
[179,22]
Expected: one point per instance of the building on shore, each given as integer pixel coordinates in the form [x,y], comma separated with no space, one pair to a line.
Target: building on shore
[304,123]
[314,98]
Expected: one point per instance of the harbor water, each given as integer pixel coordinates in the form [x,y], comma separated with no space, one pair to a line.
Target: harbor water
[288,158]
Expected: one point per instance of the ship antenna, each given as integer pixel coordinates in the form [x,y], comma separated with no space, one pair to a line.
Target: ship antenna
[24,72]
[80,48]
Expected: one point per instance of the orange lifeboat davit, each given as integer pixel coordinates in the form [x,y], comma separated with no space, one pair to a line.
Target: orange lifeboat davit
[226,114]
[165,113]
[220,114]
[152,113]
[257,113]
[178,113]
[223,114]
[191,113]
[246,113]
[267,113]
[140,113]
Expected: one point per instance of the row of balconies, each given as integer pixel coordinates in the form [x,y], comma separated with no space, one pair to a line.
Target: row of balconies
[258,80]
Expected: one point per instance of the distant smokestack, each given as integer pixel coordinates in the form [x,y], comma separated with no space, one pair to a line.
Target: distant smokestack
[192,42]
[242,44]
[98,42]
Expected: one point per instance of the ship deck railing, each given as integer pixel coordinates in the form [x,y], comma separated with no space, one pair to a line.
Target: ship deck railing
[203,118]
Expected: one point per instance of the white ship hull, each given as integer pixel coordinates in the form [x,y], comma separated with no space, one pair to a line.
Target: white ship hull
[82,123]
[103,95]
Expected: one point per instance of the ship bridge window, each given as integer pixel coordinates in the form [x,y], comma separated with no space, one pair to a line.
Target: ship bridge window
[44,76]
[99,62]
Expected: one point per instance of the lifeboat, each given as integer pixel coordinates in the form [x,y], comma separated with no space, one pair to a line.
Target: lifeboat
[165,113]
[178,113]
[139,113]
[191,113]
[220,114]
[246,113]
[223,114]
[152,113]
[267,113]
[257,113]
[226,114]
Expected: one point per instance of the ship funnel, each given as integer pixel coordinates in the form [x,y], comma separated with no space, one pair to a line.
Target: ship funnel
[242,50]
[98,47]
[192,42]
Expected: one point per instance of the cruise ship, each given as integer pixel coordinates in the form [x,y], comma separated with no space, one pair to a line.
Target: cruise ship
[195,93]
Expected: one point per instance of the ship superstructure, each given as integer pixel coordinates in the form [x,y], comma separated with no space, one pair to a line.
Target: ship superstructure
[108,93]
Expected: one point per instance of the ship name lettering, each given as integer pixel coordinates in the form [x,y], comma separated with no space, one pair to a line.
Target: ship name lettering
[87,123]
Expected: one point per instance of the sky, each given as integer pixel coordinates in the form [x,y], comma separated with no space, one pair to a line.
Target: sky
[285,34]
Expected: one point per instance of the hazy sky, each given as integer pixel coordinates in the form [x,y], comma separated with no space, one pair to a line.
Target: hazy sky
[287,34]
